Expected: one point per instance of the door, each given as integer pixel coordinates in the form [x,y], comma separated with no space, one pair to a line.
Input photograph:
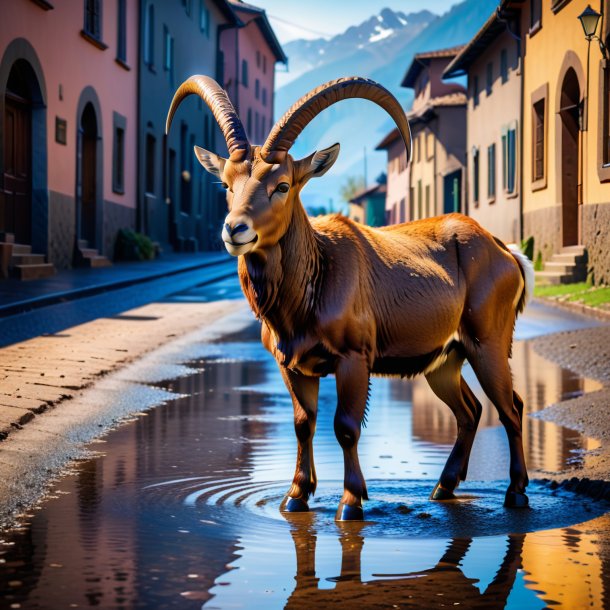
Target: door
[570,119]
[88,175]
[452,188]
[17,195]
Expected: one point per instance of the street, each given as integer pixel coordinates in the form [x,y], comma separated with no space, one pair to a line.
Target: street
[178,505]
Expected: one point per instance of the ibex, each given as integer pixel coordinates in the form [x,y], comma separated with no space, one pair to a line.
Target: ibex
[337,297]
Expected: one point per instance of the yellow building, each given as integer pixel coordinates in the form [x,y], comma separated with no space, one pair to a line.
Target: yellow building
[566,135]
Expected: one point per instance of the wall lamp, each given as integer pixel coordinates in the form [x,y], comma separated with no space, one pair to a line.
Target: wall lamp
[589,19]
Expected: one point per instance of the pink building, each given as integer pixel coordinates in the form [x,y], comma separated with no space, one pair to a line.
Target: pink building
[251,52]
[68,120]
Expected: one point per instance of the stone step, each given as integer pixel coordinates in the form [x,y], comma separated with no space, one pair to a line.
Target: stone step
[97,261]
[7,238]
[88,252]
[22,249]
[33,272]
[27,259]
[569,258]
[573,250]
[553,277]
[82,243]
[559,267]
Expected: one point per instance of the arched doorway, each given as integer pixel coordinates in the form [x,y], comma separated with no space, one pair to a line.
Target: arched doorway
[87,176]
[570,115]
[21,94]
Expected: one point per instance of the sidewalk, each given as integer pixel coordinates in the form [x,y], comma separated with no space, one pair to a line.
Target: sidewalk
[18,296]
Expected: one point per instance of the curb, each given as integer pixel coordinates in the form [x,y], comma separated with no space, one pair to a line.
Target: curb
[77,293]
[575,307]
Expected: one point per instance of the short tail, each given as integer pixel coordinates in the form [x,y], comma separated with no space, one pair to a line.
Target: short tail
[527,271]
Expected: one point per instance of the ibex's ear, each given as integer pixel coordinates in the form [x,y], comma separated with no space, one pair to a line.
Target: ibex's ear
[318,164]
[213,163]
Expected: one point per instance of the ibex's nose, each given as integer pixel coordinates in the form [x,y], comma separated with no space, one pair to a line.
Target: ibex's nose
[238,228]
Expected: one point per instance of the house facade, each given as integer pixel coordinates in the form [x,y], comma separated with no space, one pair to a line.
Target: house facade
[179,204]
[68,121]
[369,205]
[492,63]
[250,53]
[566,138]
[397,178]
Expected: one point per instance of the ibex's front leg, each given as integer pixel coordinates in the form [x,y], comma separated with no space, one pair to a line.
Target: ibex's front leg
[352,393]
[304,393]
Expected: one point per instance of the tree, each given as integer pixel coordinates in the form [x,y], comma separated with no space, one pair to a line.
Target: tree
[350,187]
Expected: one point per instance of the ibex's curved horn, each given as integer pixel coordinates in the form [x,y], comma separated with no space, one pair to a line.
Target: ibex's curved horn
[288,128]
[222,109]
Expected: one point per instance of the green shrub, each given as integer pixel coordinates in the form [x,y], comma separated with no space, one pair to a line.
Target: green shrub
[538,264]
[527,247]
[133,246]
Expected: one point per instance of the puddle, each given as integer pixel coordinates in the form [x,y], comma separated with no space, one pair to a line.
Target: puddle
[182,510]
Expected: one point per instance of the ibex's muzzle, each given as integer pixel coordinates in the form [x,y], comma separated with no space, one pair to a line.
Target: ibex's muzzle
[238,235]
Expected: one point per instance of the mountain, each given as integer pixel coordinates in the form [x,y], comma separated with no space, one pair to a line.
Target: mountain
[357,124]
[379,35]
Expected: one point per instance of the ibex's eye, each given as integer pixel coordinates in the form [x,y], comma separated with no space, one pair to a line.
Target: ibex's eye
[282,187]
[224,185]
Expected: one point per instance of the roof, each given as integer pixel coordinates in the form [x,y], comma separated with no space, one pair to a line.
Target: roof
[426,112]
[260,17]
[423,59]
[495,25]
[389,139]
[224,7]
[378,189]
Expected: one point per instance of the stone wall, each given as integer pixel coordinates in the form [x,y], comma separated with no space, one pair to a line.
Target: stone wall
[545,226]
[116,217]
[62,226]
[596,238]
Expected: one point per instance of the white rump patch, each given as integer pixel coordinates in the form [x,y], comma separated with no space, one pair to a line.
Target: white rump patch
[442,357]
[528,272]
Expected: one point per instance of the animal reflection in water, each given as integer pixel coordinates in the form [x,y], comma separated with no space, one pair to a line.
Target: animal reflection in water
[339,298]
[437,587]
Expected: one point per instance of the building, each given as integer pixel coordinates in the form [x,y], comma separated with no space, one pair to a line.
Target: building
[250,54]
[368,206]
[179,205]
[492,63]
[68,111]
[398,177]
[566,138]
[433,182]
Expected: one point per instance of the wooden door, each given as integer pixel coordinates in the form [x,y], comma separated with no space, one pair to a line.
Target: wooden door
[17,192]
[88,175]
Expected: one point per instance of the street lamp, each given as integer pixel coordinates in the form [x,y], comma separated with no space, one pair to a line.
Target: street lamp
[589,19]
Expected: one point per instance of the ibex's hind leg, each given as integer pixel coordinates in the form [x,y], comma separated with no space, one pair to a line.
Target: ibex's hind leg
[304,393]
[447,383]
[490,365]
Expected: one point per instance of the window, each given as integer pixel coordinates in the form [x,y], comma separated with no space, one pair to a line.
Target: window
[411,203]
[257,88]
[511,160]
[419,200]
[168,54]
[264,64]
[264,96]
[538,140]
[604,124]
[401,211]
[149,36]
[491,171]
[504,65]
[118,153]
[475,177]
[244,72]
[150,164]
[429,146]
[171,183]
[535,15]
[489,78]
[475,91]
[121,45]
[93,18]
[418,150]
[187,6]
[204,18]
[428,201]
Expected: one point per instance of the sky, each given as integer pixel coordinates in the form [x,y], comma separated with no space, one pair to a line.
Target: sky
[293,19]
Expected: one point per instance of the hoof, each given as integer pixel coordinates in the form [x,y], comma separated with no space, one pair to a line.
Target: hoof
[294,505]
[439,493]
[514,499]
[345,512]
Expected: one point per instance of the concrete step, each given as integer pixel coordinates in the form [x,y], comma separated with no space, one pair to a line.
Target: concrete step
[553,277]
[569,258]
[97,261]
[7,238]
[33,272]
[559,267]
[573,250]
[26,259]
[22,249]
[88,252]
